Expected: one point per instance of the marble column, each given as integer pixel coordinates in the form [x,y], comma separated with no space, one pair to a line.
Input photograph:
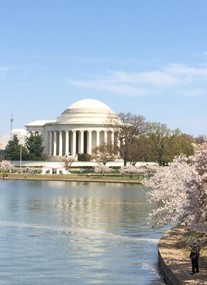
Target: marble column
[81,142]
[55,144]
[118,141]
[51,143]
[66,142]
[89,146]
[46,142]
[74,144]
[97,138]
[112,138]
[60,143]
[105,137]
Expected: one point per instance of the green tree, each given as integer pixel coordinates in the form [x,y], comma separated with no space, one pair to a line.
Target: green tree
[140,150]
[182,144]
[84,157]
[131,128]
[34,144]
[161,140]
[164,145]
[12,151]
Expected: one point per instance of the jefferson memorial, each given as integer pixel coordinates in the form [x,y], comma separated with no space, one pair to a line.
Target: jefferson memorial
[79,129]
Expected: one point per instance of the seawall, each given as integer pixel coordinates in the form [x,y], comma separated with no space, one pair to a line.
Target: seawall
[174,261]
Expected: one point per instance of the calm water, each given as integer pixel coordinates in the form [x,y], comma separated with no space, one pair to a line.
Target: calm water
[76,233]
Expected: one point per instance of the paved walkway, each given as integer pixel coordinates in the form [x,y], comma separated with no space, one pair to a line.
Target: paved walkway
[176,263]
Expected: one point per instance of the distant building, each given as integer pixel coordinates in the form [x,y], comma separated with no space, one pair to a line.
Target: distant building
[54,168]
[81,127]
[21,135]
[4,139]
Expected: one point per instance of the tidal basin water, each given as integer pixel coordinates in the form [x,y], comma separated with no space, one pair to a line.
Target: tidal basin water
[76,233]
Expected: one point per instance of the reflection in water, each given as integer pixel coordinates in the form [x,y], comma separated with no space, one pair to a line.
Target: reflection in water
[98,212]
[73,233]
[88,212]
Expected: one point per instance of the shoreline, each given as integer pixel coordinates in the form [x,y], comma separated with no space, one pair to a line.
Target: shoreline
[69,179]
[174,261]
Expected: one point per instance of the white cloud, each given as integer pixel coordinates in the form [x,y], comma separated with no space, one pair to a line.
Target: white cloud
[187,72]
[154,77]
[194,93]
[118,87]
[150,82]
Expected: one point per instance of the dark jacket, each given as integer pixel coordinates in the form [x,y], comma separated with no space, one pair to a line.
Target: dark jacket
[194,254]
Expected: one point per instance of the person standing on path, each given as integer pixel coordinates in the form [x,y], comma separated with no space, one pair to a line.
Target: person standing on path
[194,256]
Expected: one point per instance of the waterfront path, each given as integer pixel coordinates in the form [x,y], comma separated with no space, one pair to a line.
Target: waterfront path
[175,262]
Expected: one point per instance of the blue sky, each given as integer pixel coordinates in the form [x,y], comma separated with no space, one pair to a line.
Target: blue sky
[145,57]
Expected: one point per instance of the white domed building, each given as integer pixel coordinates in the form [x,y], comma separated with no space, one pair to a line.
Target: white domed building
[80,128]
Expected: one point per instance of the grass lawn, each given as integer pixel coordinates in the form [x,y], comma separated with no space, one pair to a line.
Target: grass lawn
[92,177]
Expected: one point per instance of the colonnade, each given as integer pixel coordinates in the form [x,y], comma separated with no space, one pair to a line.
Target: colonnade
[72,142]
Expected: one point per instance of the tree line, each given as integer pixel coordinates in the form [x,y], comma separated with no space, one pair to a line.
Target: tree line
[146,141]
[138,139]
[32,150]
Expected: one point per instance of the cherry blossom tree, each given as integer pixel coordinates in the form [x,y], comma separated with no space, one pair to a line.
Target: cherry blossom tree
[180,191]
[102,168]
[169,192]
[197,190]
[104,153]
[6,165]
[142,169]
[68,161]
[128,169]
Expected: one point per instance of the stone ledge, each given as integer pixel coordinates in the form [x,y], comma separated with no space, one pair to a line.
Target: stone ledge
[174,262]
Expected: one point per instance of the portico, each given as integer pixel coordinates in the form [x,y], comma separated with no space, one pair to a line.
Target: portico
[64,142]
[80,128]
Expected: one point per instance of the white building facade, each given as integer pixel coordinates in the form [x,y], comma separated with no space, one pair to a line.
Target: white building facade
[78,130]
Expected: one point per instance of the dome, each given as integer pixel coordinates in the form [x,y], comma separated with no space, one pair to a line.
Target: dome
[89,104]
[88,111]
